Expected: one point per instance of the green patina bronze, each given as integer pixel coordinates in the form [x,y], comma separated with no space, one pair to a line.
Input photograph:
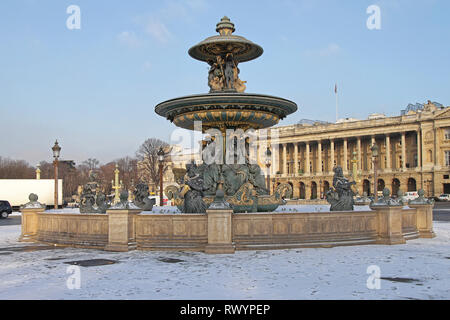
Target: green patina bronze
[226,106]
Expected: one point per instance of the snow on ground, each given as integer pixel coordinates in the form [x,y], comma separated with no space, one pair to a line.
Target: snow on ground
[307,273]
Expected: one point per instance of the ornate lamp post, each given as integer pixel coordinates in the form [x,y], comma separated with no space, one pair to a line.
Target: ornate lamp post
[268,164]
[374,150]
[56,152]
[161,155]
[355,170]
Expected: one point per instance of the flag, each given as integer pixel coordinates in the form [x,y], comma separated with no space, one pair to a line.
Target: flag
[335,88]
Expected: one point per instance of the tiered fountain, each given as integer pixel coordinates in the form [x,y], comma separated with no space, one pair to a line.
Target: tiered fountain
[225,107]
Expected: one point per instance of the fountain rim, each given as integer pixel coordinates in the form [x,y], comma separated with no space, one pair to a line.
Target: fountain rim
[167,106]
[255,51]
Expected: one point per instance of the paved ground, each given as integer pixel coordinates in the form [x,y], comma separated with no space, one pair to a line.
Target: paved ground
[416,270]
[11,221]
[419,269]
[441,211]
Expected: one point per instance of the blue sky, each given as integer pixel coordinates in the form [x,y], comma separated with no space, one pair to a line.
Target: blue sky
[95,89]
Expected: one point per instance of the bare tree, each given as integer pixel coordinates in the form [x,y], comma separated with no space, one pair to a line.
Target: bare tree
[16,169]
[91,163]
[148,160]
[105,176]
[67,171]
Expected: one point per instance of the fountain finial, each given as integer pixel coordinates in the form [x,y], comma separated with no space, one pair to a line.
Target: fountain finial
[225,27]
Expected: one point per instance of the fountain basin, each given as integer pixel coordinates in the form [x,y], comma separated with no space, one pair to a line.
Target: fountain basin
[226,110]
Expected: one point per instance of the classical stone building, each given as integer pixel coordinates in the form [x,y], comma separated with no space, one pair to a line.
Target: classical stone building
[414,153]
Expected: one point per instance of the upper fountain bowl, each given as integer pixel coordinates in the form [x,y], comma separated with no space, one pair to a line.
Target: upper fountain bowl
[226,42]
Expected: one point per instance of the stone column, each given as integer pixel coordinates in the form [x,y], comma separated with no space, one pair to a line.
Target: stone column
[295,158]
[424,219]
[403,150]
[419,149]
[220,231]
[437,153]
[389,225]
[331,156]
[30,224]
[284,159]
[372,142]
[345,167]
[308,192]
[308,171]
[319,156]
[121,230]
[388,153]
[358,147]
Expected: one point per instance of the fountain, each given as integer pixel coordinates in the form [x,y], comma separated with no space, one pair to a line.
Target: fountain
[240,211]
[226,107]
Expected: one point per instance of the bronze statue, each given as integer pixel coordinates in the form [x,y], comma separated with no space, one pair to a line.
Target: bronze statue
[341,198]
[193,193]
[92,200]
[229,71]
[141,197]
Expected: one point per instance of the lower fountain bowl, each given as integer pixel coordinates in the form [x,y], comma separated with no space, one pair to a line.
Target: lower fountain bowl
[226,110]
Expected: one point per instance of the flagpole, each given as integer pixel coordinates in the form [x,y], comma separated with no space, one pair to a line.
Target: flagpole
[335,91]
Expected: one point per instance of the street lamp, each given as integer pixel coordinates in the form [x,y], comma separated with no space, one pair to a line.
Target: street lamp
[56,152]
[374,150]
[161,155]
[268,164]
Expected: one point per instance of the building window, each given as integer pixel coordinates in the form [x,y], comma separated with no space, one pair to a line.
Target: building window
[447,134]
[447,158]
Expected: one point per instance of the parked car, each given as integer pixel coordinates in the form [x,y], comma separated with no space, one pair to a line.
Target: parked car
[444,197]
[5,209]
[73,205]
[410,195]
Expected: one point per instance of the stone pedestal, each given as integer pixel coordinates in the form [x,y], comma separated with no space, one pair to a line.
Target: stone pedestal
[121,230]
[389,225]
[30,224]
[220,232]
[424,219]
